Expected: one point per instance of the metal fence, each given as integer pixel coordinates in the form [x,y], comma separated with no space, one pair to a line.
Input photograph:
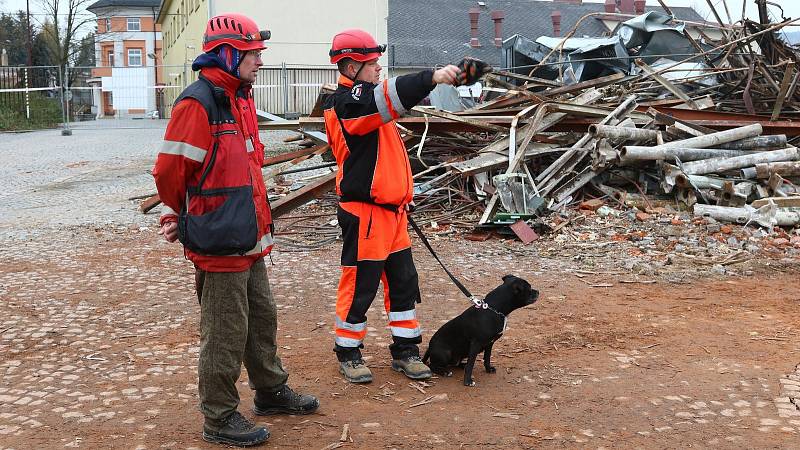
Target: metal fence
[289,90]
[32,97]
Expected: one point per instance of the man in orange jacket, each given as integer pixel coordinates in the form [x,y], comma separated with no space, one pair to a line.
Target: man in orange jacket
[375,187]
[208,175]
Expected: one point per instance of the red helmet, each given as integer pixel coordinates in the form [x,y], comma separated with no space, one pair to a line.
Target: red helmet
[236,30]
[356,44]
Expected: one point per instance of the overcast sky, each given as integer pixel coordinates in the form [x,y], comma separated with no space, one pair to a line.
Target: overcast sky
[791,8]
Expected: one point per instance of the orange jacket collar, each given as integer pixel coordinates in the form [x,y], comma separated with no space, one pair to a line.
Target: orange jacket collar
[344,81]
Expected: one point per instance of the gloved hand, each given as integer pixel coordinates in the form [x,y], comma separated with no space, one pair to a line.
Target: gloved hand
[471,70]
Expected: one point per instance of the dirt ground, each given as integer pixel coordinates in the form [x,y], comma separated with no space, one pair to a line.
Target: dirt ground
[99,342]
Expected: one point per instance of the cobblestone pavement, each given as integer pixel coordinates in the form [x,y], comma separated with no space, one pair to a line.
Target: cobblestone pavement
[99,335]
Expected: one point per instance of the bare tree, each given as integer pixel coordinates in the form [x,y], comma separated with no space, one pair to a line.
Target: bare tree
[64,22]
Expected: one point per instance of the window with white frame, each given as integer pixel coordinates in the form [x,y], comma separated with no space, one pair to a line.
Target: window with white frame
[108,25]
[134,24]
[134,57]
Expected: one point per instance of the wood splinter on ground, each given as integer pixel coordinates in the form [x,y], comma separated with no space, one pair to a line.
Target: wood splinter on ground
[506,415]
[345,433]
[430,399]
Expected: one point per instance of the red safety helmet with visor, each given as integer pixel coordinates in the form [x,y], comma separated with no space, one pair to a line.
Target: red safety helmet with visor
[355,44]
[236,30]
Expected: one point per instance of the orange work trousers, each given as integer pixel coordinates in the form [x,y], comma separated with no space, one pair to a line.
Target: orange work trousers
[376,249]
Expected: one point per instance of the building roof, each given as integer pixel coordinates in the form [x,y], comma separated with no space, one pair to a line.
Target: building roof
[124,3]
[441,34]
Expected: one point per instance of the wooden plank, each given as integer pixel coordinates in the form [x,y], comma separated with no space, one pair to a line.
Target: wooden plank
[284,157]
[492,160]
[597,82]
[667,84]
[285,125]
[303,195]
[785,83]
[533,80]
[460,119]
[149,204]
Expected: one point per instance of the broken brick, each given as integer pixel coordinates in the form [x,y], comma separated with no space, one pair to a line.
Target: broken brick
[592,205]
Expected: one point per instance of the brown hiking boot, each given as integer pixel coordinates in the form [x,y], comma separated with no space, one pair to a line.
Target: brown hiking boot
[355,371]
[235,430]
[413,367]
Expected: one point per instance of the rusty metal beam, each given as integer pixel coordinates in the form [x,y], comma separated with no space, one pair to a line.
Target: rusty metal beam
[300,197]
[284,157]
[724,121]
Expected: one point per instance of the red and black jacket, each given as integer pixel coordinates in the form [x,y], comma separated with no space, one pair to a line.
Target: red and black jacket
[226,153]
[372,158]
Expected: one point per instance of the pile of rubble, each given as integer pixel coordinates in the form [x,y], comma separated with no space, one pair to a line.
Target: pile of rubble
[715,139]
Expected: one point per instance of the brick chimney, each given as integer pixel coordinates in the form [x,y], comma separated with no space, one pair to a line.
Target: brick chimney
[626,7]
[638,6]
[497,17]
[474,14]
[611,6]
[555,16]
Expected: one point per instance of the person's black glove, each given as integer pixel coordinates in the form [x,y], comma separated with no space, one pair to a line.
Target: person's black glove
[471,70]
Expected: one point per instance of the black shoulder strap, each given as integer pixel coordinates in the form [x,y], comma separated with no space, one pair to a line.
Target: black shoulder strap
[213,99]
[218,109]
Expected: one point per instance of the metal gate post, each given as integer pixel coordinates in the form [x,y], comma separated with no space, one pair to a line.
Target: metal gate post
[285,88]
[65,131]
[27,96]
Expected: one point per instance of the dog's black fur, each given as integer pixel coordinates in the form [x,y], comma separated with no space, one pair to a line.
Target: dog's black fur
[475,330]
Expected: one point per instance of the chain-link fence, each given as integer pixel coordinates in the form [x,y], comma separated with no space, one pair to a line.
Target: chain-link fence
[31,97]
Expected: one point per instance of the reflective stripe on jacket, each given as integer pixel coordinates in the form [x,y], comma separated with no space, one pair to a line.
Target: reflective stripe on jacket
[183,156]
[372,158]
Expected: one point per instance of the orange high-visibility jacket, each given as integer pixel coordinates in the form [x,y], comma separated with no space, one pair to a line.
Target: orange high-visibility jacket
[186,153]
[372,158]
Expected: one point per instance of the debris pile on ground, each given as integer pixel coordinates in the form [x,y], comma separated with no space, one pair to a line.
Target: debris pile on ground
[714,139]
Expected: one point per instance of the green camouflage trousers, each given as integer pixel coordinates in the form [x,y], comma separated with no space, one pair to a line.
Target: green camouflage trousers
[238,323]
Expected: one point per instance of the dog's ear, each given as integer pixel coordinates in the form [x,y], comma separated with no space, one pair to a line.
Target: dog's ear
[507,277]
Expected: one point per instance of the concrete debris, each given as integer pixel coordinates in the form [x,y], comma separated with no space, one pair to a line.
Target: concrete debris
[625,133]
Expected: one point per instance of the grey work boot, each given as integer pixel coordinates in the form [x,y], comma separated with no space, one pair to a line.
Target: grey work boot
[412,366]
[284,401]
[235,430]
[355,371]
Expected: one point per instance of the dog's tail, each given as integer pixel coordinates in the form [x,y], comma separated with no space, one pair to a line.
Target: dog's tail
[427,355]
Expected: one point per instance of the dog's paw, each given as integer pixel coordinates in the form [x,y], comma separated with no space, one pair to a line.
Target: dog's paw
[449,374]
[491,369]
[470,383]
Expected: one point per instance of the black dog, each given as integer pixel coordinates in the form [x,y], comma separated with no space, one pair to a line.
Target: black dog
[476,329]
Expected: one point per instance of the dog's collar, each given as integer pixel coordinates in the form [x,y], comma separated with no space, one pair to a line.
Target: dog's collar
[480,304]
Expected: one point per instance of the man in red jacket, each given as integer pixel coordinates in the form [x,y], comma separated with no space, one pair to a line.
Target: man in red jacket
[208,175]
[375,190]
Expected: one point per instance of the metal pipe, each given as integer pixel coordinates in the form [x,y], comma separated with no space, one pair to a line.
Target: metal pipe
[617,132]
[748,173]
[715,139]
[767,216]
[784,169]
[737,162]
[639,153]
[698,181]
[770,142]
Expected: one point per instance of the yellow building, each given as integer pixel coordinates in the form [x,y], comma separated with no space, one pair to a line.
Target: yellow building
[301,34]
